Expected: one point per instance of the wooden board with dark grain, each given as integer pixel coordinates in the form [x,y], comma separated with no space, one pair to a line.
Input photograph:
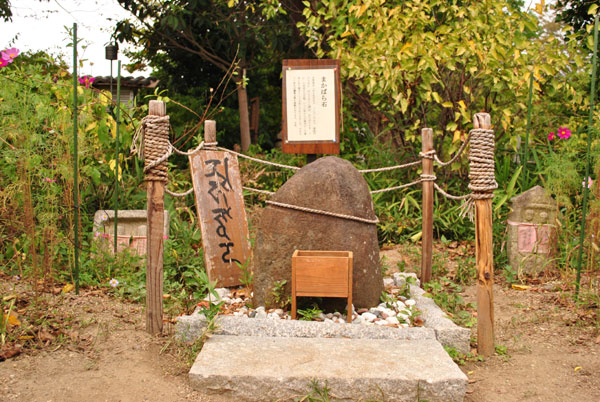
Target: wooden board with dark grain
[220,206]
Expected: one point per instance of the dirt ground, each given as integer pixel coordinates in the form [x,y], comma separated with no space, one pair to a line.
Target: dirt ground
[547,352]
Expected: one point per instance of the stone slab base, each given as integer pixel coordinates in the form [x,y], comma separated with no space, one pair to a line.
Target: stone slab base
[250,368]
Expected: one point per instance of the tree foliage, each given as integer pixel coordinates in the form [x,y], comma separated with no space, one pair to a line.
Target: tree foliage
[204,39]
[435,63]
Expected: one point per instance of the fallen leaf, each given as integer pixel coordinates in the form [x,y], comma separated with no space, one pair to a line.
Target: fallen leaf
[68,288]
[45,336]
[470,372]
[598,339]
[166,296]
[8,352]
[9,298]
[519,287]
[25,337]
[577,368]
[12,320]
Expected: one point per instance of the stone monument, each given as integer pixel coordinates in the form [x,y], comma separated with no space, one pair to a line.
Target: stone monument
[328,184]
[531,237]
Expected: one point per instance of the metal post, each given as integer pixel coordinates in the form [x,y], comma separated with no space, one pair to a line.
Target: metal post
[75,164]
[118,104]
[586,190]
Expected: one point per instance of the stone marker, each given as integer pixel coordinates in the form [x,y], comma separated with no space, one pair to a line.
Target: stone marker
[329,184]
[532,231]
[131,229]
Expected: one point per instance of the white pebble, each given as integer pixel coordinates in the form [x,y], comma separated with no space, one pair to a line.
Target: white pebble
[369,317]
[392,320]
[410,302]
[381,322]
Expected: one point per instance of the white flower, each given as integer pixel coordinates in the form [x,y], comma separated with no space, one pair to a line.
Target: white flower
[114,283]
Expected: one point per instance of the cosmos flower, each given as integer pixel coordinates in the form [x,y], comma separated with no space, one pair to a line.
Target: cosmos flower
[86,80]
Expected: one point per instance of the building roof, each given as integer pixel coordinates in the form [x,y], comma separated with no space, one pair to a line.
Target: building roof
[130,82]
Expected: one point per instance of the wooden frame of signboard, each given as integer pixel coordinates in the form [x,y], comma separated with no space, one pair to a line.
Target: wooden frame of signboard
[320,118]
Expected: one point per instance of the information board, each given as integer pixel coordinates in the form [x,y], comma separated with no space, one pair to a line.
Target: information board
[311,106]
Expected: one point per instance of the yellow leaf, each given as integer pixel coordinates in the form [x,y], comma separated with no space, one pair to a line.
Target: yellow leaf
[462,104]
[25,337]
[519,287]
[111,164]
[68,288]
[347,33]
[577,368]
[457,136]
[9,298]
[406,46]
[91,126]
[13,320]
[447,104]
[470,372]
[539,8]
[592,9]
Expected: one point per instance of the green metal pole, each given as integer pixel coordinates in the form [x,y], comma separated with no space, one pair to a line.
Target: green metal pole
[75,162]
[586,190]
[118,116]
[525,182]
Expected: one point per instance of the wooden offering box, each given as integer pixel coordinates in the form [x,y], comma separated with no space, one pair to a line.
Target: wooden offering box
[322,274]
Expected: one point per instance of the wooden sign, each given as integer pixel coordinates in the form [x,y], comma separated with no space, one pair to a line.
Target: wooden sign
[311,106]
[220,205]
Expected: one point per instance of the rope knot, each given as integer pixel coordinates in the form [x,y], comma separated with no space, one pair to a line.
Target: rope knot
[428,177]
[427,155]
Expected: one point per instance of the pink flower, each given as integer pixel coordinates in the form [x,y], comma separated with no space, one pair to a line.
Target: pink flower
[564,132]
[589,182]
[550,136]
[10,54]
[165,237]
[86,80]
[49,180]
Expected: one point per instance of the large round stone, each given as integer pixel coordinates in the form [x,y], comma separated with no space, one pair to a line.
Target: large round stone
[328,184]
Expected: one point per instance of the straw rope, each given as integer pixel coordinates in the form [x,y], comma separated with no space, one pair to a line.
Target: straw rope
[321,212]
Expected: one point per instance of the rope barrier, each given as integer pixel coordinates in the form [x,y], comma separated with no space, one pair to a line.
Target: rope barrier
[156,149]
[385,169]
[321,212]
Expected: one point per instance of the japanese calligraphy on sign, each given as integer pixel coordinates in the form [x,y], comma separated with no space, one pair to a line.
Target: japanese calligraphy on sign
[220,205]
[311,106]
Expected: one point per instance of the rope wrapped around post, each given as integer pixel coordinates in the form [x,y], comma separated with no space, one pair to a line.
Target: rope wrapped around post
[482,179]
[156,147]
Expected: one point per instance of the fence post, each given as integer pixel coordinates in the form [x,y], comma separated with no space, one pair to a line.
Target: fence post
[427,221]
[484,252]
[210,131]
[155,187]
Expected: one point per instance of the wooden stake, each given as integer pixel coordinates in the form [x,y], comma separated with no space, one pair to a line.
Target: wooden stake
[210,131]
[154,240]
[427,222]
[484,253]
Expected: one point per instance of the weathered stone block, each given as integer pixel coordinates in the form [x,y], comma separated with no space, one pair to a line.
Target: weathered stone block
[531,234]
[131,228]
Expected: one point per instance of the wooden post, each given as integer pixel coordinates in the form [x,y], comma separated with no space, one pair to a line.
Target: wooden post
[154,240]
[484,253]
[427,221]
[210,131]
